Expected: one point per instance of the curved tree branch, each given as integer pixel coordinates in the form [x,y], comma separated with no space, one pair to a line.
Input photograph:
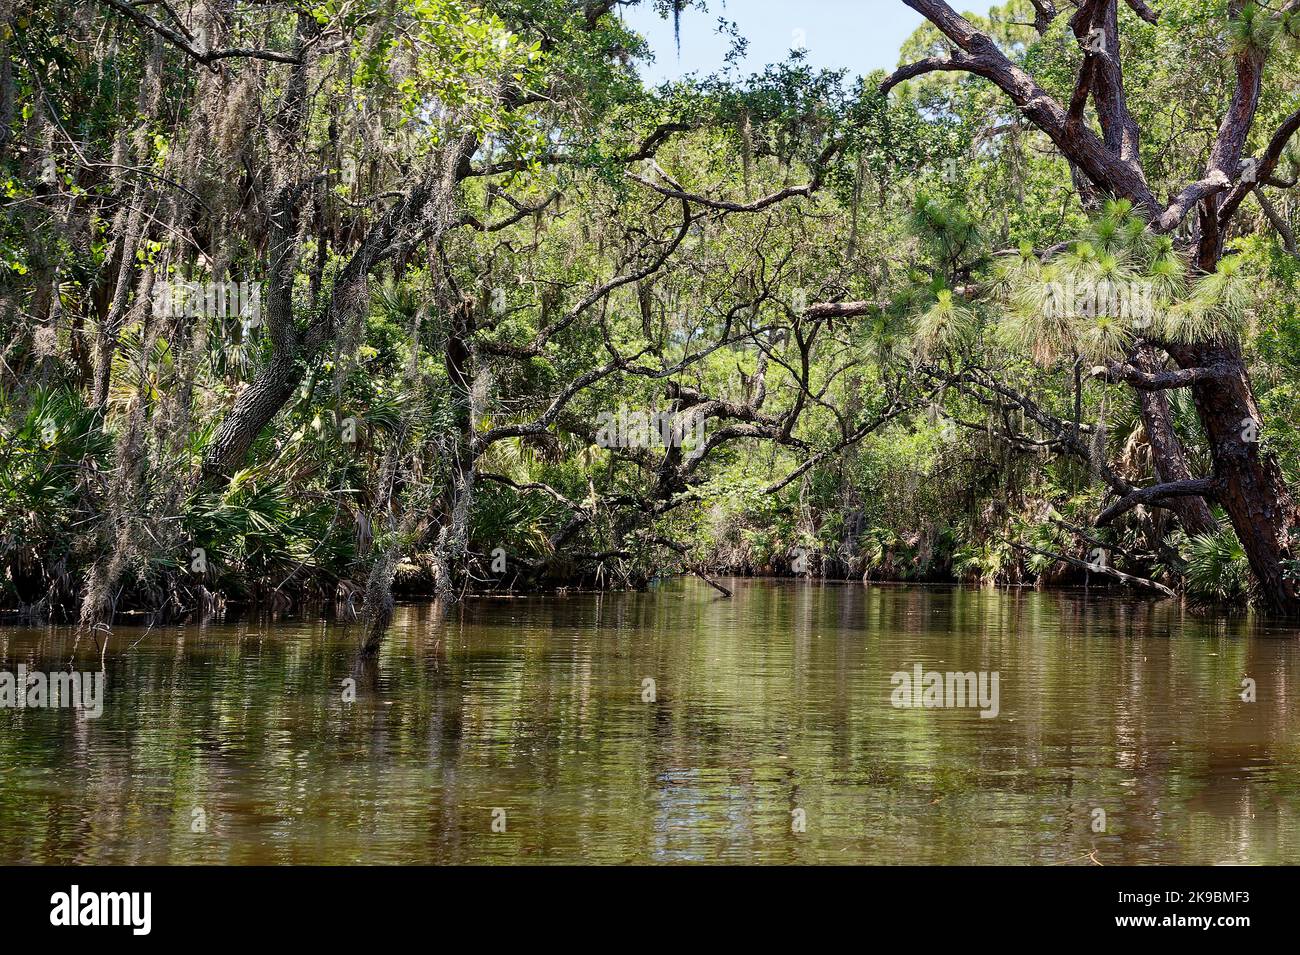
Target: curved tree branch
[1157,494]
[185,44]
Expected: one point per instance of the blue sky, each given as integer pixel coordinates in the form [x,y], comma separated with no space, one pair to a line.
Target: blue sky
[860,35]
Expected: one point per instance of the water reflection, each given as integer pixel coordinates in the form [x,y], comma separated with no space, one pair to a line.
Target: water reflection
[775,701]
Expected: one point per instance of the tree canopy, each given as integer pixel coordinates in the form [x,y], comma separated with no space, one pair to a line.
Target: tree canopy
[342,300]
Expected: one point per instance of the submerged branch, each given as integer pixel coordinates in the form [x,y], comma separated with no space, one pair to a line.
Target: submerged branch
[1102,569]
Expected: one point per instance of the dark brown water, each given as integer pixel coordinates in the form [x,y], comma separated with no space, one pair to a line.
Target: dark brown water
[535,713]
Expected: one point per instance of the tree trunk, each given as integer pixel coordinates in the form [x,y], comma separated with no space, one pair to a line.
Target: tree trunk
[1251,487]
[453,539]
[252,411]
[1167,450]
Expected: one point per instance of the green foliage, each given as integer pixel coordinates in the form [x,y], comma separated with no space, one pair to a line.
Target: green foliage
[920,442]
[1216,566]
[48,461]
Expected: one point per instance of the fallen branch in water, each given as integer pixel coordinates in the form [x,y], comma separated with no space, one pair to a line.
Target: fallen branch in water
[1087,538]
[683,550]
[1101,569]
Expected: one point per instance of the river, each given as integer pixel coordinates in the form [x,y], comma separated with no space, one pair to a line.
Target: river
[671,726]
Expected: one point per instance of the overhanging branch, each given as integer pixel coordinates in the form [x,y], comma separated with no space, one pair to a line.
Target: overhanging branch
[1156,495]
[1115,372]
[184,44]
